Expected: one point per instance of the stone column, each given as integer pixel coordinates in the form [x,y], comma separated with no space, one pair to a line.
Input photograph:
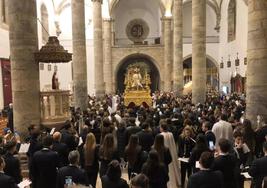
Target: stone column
[79,54]
[178,78]
[107,56]
[257,60]
[112,32]
[24,69]
[199,76]
[98,48]
[162,31]
[167,54]
[1,10]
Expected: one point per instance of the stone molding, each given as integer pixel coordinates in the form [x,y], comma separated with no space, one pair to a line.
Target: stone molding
[166,18]
[108,20]
[99,1]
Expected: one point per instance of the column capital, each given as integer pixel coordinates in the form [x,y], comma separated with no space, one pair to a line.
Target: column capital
[166,18]
[108,20]
[99,1]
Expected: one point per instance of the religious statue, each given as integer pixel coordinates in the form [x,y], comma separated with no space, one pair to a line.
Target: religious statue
[137,78]
[55,83]
[137,86]
[135,81]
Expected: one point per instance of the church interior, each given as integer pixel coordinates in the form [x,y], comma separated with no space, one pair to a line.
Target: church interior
[69,68]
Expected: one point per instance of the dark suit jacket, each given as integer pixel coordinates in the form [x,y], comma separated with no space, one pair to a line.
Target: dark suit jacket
[258,171]
[227,164]
[206,179]
[63,152]
[129,131]
[146,140]
[12,167]
[44,169]
[7,181]
[69,139]
[78,176]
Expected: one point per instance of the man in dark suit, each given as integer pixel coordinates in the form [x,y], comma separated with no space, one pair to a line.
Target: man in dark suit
[227,164]
[77,175]
[131,129]
[61,148]
[206,178]
[68,138]
[258,169]
[5,180]
[44,166]
[206,128]
[146,138]
[12,167]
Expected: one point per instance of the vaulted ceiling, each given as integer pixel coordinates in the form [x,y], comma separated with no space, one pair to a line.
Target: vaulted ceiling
[60,5]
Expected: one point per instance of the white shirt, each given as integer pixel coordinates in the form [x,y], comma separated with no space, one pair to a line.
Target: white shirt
[222,129]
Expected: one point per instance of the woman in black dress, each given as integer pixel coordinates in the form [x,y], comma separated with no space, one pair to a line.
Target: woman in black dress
[107,153]
[90,159]
[164,152]
[133,155]
[186,144]
[155,171]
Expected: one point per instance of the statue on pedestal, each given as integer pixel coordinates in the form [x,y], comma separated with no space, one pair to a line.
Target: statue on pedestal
[55,83]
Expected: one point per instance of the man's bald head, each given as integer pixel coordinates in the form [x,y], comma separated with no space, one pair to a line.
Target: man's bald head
[57,136]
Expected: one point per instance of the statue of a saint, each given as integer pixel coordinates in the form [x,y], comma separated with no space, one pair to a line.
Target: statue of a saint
[55,84]
[136,79]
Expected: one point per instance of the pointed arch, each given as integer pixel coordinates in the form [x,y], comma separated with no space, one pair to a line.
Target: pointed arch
[114,3]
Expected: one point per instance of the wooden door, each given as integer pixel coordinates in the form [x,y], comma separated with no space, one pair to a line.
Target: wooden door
[6,77]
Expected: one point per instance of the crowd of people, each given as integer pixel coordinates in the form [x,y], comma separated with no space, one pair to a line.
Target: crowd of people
[173,143]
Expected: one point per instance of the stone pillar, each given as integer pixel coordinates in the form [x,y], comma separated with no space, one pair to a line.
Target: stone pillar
[107,56]
[257,60]
[98,48]
[178,78]
[112,32]
[167,54]
[79,54]
[24,69]
[1,10]
[199,76]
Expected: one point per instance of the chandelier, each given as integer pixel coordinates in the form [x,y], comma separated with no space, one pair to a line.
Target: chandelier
[53,52]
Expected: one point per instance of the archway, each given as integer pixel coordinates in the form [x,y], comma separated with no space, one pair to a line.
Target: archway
[145,63]
[212,72]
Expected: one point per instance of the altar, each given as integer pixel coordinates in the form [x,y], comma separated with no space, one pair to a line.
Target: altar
[137,87]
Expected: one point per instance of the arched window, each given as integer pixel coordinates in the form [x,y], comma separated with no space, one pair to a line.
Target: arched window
[231,20]
[45,23]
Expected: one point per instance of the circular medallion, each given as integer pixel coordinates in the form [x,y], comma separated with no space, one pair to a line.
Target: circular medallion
[137,30]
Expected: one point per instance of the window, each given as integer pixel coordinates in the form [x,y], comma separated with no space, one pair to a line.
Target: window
[231,20]
[45,23]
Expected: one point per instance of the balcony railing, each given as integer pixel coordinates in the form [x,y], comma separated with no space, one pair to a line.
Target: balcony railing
[147,41]
[55,106]
[158,40]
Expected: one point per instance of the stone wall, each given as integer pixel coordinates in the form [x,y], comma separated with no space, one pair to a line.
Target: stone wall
[153,53]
